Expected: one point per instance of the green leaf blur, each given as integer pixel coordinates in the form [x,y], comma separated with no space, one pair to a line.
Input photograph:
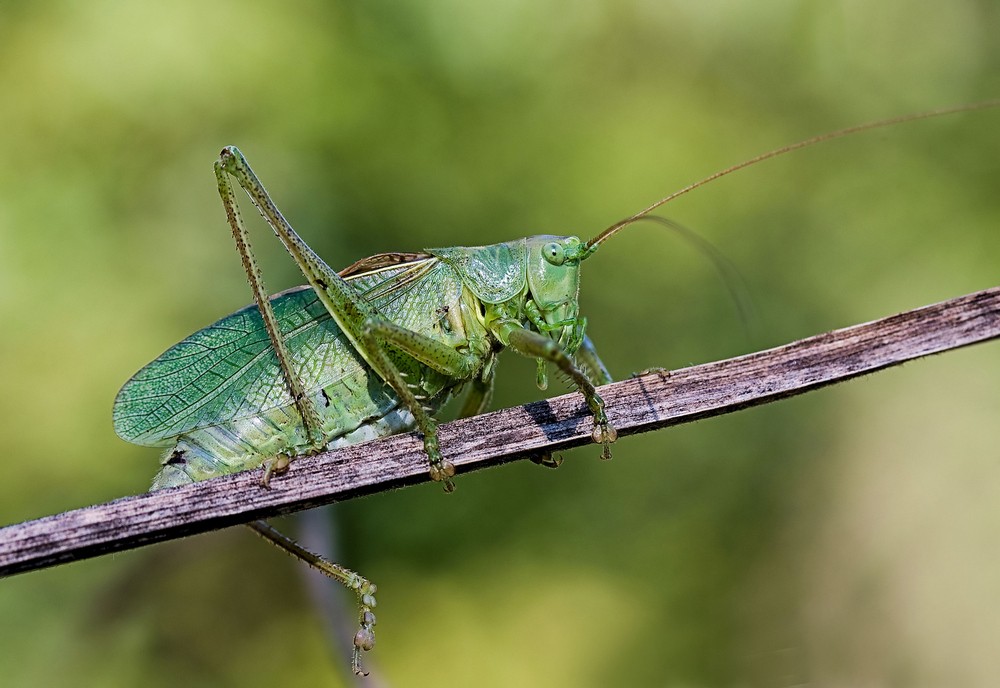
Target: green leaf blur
[847,537]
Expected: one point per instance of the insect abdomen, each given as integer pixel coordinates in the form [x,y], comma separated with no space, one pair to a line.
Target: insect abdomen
[211,452]
[354,410]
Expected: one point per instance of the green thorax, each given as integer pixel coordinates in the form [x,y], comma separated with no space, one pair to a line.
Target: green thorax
[534,281]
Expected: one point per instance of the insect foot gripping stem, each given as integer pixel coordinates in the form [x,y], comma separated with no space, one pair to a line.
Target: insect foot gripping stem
[274,466]
[441,470]
[535,345]
[603,433]
[375,331]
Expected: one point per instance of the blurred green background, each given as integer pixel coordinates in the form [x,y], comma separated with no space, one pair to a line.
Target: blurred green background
[847,537]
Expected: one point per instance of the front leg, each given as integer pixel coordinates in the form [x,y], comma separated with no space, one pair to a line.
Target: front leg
[529,343]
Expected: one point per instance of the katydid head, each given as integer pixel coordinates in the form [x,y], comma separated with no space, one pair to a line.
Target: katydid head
[553,267]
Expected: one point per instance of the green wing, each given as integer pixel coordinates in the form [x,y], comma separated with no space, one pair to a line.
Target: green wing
[229,371]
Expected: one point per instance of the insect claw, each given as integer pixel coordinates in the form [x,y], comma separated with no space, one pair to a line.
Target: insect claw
[443,472]
[606,435]
[665,372]
[364,640]
[274,466]
[548,460]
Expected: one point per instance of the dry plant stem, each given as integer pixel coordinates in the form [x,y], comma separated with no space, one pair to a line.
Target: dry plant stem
[641,404]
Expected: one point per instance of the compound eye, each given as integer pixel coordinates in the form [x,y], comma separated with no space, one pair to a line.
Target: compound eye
[554,253]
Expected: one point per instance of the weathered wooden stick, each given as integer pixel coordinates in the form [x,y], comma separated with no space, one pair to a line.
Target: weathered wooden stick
[652,401]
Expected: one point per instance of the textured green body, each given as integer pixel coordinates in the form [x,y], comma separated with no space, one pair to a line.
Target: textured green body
[218,401]
[373,350]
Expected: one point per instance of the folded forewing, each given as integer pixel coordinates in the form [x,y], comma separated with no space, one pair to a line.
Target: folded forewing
[229,371]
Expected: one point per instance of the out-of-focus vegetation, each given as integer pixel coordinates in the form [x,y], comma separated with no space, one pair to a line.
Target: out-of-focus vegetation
[848,537]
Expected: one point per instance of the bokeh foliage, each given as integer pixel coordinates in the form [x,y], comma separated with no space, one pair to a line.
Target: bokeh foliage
[845,537]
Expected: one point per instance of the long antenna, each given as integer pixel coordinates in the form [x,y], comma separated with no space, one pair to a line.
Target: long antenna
[788,149]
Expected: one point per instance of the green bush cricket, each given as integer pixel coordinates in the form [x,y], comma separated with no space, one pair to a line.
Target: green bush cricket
[373,350]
